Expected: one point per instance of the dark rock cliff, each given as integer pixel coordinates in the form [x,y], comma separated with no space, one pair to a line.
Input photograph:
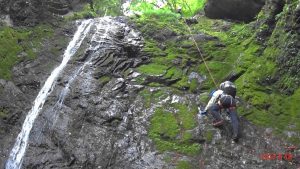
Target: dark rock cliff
[241,10]
[33,12]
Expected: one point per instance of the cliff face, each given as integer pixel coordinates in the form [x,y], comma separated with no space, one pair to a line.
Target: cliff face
[33,12]
[130,99]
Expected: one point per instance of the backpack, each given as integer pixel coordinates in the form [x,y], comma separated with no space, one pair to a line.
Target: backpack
[228,88]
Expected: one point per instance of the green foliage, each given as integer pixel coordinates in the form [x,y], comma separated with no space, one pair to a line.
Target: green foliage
[167,7]
[108,7]
[13,42]
[191,7]
[86,12]
[98,8]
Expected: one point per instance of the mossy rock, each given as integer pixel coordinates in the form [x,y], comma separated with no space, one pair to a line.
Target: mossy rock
[104,80]
[20,43]
[184,165]
[170,130]
[3,113]
[269,92]
[153,69]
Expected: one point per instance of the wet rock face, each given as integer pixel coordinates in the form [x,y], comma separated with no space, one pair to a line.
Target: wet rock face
[32,12]
[241,10]
[18,94]
[92,123]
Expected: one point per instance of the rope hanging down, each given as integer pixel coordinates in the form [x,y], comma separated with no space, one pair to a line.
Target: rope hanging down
[210,74]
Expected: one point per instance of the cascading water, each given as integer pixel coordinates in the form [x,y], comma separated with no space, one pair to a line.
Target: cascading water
[18,151]
[112,46]
[101,29]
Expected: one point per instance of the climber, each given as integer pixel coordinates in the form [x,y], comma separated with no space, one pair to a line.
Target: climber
[226,87]
[224,99]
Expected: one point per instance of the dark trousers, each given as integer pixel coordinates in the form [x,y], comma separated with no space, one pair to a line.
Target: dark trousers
[215,111]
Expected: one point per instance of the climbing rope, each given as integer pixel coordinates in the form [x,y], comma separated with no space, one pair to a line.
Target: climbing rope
[210,74]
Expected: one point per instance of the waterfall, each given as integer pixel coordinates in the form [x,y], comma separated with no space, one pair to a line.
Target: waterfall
[17,153]
[100,36]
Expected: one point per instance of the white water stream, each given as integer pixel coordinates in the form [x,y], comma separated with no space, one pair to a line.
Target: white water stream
[99,38]
[17,153]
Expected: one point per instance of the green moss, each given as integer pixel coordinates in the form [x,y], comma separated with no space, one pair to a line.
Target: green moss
[165,124]
[273,110]
[151,47]
[159,95]
[167,158]
[59,42]
[269,106]
[292,103]
[15,41]
[194,85]
[208,135]
[169,130]
[204,97]
[174,73]
[184,165]
[146,94]
[242,53]
[186,116]
[261,15]
[154,84]
[153,69]
[3,113]
[219,70]
[188,149]
[183,84]
[104,79]
[186,137]
[153,96]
